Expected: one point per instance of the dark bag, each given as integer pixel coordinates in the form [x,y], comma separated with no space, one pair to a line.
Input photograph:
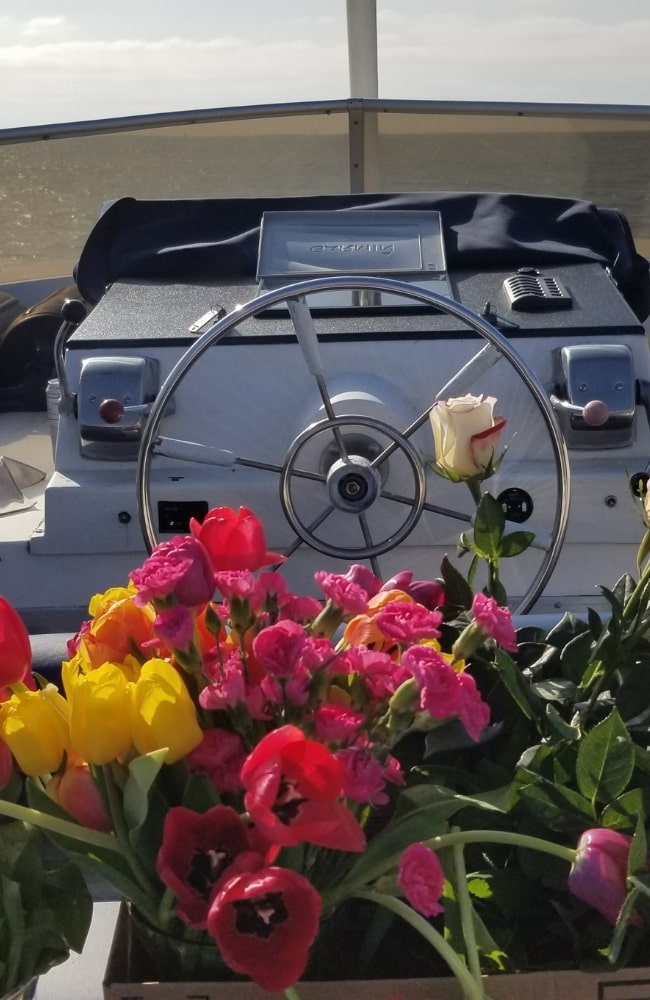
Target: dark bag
[27,350]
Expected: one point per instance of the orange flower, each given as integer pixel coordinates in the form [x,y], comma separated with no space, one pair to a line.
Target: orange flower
[362,629]
[117,624]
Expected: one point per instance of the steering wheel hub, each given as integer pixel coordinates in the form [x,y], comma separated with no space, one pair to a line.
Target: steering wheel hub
[353,484]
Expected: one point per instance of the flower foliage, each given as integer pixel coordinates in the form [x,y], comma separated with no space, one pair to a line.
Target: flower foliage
[243,761]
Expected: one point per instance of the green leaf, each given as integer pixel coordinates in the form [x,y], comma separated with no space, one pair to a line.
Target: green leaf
[633,695]
[45,907]
[200,793]
[517,686]
[642,759]
[143,771]
[108,864]
[595,622]
[563,729]
[480,888]
[489,523]
[638,856]
[515,543]
[559,808]
[576,656]
[458,593]
[622,924]
[555,689]
[568,627]
[70,902]
[421,812]
[644,550]
[605,760]
[624,811]
[621,593]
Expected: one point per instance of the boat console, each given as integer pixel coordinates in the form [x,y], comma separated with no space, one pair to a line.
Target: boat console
[283,354]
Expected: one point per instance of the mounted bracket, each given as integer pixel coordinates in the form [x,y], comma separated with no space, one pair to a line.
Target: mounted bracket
[113,401]
[595,395]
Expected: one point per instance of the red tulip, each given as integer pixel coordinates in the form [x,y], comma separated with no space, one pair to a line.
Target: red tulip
[235,540]
[15,649]
[264,924]
[200,852]
[293,786]
[76,792]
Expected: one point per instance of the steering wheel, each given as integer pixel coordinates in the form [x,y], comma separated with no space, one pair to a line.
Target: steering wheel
[356,449]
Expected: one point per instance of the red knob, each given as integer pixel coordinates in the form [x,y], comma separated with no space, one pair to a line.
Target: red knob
[111,411]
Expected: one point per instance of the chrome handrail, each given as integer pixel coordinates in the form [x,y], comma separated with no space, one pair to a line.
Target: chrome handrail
[129,123]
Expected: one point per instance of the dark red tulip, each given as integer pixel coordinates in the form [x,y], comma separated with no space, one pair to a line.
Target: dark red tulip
[264,924]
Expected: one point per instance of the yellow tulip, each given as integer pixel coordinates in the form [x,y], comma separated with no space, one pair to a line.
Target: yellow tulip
[161,712]
[35,726]
[99,727]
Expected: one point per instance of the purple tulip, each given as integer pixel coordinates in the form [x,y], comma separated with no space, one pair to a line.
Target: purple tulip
[598,875]
[429,593]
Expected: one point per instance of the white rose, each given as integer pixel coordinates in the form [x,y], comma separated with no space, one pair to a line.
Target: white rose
[466,435]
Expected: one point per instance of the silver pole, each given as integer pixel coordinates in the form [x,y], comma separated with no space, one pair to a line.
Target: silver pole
[362,48]
[364,85]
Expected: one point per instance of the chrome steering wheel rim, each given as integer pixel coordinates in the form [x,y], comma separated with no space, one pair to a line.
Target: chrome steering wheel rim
[295,294]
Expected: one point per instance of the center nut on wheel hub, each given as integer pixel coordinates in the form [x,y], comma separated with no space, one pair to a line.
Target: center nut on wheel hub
[353,484]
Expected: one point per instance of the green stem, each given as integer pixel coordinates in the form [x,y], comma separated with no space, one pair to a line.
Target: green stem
[632,604]
[602,674]
[472,989]
[502,837]
[466,911]
[115,808]
[291,993]
[474,486]
[61,826]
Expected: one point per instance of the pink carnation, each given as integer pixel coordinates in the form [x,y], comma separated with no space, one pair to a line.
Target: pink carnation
[494,621]
[472,710]
[363,775]
[300,609]
[236,583]
[364,578]
[174,626]
[337,724]
[421,878]
[272,583]
[380,674]
[342,592]
[436,679]
[180,567]
[278,647]
[317,653]
[228,688]
[404,622]
[220,755]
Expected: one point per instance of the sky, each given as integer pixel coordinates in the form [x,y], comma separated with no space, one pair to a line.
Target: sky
[66,60]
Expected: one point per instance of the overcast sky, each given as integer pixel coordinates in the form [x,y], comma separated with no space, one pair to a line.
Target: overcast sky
[67,60]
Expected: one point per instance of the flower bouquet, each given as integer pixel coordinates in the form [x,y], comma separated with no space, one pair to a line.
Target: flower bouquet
[263,775]
[45,905]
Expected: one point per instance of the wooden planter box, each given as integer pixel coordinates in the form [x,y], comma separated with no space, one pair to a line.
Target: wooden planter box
[626,984]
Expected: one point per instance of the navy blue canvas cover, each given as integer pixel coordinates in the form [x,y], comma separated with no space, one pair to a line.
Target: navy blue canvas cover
[217,238]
